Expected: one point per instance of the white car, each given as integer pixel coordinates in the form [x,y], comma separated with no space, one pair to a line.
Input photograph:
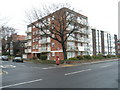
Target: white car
[17,59]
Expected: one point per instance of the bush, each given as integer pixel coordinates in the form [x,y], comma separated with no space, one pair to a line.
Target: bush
[88,57]
[80,57]
[73,58]
[118,56]
[113,55]
[43,57]
[47,61]
[34,57]
[94,57]
[108,56]
[97,57]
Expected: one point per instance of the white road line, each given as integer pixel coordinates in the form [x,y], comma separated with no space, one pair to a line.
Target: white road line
[7,66]
[77,72]
[21,83]
[105,66]
[49,68]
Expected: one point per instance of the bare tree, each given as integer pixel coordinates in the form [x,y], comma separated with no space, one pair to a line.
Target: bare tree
[6,38]
[61,25]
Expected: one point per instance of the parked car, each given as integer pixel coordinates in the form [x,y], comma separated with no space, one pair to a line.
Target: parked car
[4,58]
[17,59]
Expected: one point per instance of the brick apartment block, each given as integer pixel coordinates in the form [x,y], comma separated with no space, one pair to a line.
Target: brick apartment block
[41,44]
[87,41]
[119,47]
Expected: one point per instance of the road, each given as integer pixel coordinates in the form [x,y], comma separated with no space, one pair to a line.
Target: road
[31,75]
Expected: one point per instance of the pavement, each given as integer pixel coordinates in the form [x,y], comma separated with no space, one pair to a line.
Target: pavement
[85,75]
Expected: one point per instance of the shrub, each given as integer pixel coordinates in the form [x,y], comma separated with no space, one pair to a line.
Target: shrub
[94,57]
[73,58]
[47,61]
[108,56]
[97,57]
[118,56]
[113,55]
[43,57]
[88,57]
[80,57]
[34,57]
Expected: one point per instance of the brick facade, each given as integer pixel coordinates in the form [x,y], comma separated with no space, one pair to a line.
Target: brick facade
[39,44]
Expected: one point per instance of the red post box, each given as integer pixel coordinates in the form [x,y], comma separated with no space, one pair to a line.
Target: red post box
[57,60]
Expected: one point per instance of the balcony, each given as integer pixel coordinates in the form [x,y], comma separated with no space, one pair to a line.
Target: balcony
[29,37]
[87,40]
[47,32]
[86,48]
[81,48]
[72,48]
[80,40]
[44,49]
[28,50]
[78,48]
[29,30]
[29,44]
[44,41]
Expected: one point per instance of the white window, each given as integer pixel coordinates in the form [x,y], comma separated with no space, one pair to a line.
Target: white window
[79,53]
[70,54]
[53,44]
[69,44]
[53,53]
[53,17]
[53,35]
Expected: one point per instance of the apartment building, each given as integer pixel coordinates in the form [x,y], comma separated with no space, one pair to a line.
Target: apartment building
[118,43]
[14,45]
[77,43]
[103,42]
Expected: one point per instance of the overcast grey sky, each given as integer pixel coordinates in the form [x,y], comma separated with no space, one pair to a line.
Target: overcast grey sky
[102,14]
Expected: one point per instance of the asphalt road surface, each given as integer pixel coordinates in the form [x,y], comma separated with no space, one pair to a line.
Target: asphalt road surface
[31,75]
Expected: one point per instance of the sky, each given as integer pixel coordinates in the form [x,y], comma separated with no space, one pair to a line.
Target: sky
[102,14]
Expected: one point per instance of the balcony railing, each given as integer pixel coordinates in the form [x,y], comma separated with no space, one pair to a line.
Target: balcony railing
[29,37]
[28,50]
[29,44]
[72,48]
[83,31]
[86,40]
[47,32]
[29,30]
[78,48]
[80,40]
[44,49]
[48,40]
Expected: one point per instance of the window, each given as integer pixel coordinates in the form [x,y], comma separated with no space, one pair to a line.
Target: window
[70,54]
[69,44]
[53,44]
[53,53]
[53,17]
[53,35]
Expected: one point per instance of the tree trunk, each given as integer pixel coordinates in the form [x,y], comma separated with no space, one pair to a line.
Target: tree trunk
[64,51]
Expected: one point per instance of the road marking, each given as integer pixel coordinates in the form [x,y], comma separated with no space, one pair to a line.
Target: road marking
[77,72]
[21,83]
[49,68]
[105,66]
[7,66]
[67,65]
[3,72]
